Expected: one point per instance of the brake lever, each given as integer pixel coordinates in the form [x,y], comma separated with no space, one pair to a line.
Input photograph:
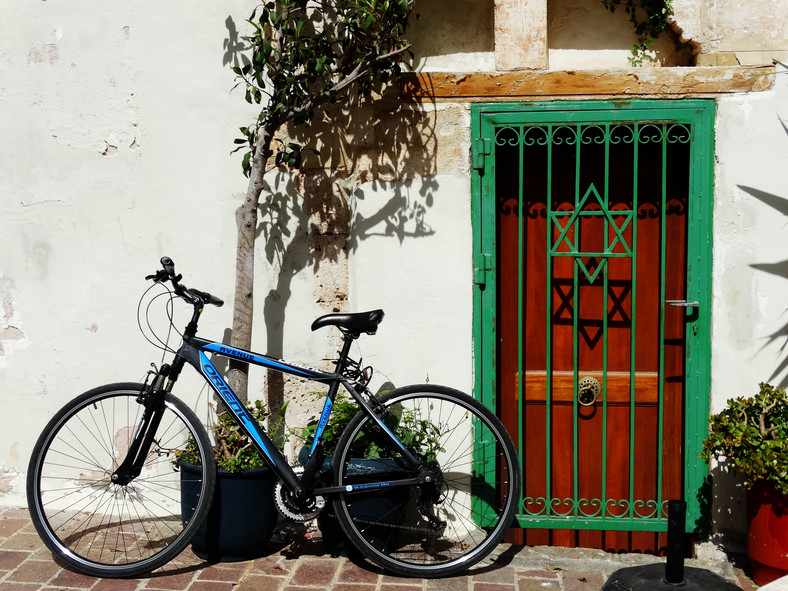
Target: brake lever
[158,277]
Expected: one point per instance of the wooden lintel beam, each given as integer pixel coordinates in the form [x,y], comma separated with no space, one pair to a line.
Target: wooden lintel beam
[633,82]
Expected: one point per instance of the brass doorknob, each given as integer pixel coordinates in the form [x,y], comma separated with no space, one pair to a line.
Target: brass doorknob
[588,390]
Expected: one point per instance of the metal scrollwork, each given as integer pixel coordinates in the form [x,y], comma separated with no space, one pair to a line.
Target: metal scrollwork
[593,134]
[678,133]
[565,135]
[528,132]
[612,509]
[621,134]
[650,133]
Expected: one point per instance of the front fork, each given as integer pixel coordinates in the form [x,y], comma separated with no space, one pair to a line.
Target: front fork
[152,399]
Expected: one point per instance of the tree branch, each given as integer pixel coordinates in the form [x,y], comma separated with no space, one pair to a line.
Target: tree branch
[359,71]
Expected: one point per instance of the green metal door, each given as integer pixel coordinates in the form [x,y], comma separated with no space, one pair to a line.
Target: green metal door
[592,228]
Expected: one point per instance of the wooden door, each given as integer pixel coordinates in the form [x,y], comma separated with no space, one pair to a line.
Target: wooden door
[594,316]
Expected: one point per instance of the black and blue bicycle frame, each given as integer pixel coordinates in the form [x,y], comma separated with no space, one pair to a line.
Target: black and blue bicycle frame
[195,351]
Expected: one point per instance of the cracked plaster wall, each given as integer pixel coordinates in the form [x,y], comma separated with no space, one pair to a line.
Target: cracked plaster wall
[117,126]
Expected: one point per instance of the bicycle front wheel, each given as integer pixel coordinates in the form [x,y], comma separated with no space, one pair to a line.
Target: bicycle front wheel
[105,529]
[468,491]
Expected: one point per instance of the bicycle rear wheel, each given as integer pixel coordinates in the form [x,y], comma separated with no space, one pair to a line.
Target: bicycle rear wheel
[105,529]
[469,491]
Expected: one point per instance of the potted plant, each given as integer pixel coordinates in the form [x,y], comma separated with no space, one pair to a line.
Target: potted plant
[243,514]
[418,434]
[752,434]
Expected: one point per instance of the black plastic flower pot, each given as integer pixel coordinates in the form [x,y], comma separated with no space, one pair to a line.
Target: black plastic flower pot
[242,516]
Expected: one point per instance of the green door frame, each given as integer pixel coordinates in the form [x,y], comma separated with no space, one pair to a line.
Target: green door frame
[701,115]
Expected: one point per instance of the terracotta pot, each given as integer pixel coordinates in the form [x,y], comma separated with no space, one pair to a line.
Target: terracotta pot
[767,532]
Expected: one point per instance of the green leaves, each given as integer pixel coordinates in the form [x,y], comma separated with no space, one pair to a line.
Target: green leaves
[421,436]
[290,155]
[649,19]
[343,411]
[752,433]
[233,451]
[299,55]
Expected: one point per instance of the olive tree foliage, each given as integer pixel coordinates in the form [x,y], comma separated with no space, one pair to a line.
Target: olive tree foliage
[301,56]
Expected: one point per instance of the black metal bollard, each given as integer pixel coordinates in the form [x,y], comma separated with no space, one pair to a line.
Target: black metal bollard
[651,577]
[674,567]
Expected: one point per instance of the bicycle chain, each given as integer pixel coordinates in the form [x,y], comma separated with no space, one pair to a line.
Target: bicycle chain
[392,526]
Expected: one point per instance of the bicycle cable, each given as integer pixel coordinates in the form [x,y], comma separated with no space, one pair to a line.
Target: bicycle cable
[149,333]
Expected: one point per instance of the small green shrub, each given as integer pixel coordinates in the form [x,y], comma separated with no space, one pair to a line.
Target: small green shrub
[342,412]
[752,433]
[419,435]
[233,450]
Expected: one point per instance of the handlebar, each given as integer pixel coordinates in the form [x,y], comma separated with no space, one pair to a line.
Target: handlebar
[193,296]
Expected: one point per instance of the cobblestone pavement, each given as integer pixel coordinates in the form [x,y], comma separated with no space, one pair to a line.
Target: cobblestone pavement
[26,565]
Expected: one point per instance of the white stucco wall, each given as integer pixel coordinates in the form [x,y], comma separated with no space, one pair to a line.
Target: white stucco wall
[117,123]
[750,319]
[424,283]
[750,272]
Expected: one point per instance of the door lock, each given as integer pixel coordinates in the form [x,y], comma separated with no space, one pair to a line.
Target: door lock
[588,390]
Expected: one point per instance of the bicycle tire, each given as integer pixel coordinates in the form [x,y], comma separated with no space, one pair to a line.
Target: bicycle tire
[109,530]
[438,528]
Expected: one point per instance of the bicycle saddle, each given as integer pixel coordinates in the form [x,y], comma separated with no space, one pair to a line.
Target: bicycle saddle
[354,323]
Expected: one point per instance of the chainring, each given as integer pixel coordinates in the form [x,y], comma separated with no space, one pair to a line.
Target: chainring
[290,509]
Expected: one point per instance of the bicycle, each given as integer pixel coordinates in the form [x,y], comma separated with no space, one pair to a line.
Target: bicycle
[424,480]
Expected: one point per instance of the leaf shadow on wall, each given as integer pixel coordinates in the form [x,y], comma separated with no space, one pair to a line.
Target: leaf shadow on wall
[355,152]
[780,269]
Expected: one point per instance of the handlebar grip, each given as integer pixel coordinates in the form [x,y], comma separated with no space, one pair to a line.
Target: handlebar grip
[208,298]
[168,265]
[213,300]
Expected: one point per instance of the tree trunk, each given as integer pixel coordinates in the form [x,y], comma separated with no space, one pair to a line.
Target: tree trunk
[243,304]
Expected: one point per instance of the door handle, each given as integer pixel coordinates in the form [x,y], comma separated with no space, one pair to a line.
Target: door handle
[588,390]
[683,303]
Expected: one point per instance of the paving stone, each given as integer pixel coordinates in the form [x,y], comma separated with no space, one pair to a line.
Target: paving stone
[117,585]
[504,575]
[173,581]
[460,583]
[583,581]
[29,542]
[34,571]
[211,586]
[11,586]
[224,572]
[10,559]
[352,573]
[315,573]
[255,582]
[67,578]
[393,580]
[272,569]
[538,585]
[542,574]
[8,527]
[494,587]
[14,512]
